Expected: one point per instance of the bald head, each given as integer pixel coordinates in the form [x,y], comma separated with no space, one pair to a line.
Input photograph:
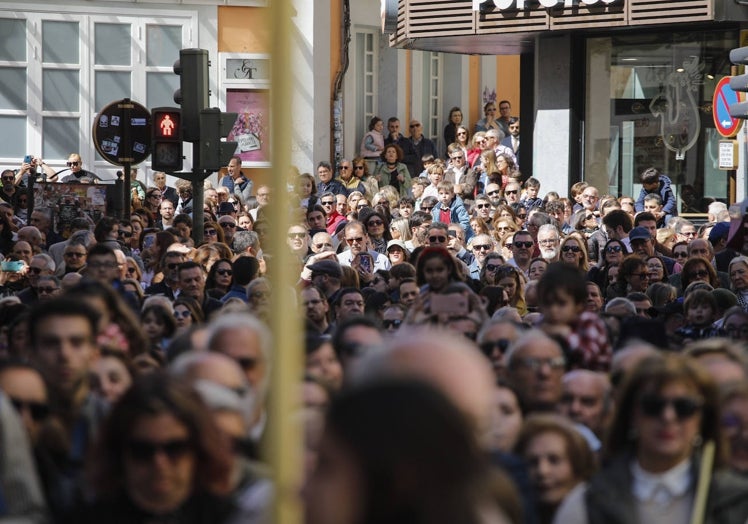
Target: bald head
[452,364]
[586,399]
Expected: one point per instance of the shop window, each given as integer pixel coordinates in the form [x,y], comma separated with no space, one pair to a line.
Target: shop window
[648,103]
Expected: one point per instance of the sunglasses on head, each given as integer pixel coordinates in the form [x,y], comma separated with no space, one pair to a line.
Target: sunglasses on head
[654,405]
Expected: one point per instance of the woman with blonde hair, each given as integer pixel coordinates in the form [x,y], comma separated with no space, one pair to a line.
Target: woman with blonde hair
[574,251]
[400,229]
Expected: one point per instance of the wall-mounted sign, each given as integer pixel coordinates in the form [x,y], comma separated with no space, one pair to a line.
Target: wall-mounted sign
[728,154]
[521,5]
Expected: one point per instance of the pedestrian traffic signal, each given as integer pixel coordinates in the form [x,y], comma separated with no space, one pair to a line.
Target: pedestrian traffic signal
[166,140]
[739,56]
[215,151]
[193,92]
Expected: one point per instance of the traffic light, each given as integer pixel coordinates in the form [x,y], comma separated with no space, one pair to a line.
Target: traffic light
[739,56]
[166,139]
[215,152]
[193,92]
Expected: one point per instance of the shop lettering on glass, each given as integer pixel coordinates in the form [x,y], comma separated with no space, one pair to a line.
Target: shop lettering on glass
[549,4]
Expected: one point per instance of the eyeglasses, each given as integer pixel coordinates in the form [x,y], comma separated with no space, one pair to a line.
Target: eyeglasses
[126,234]
[511,191]
[501,344]
[37,410]
[587,217]
[685,407]
[482,206]
[688,233]
[131,270]
[354,240]
[492,267]
[482,247]
[224,272]
[701,273]
[322,246]
[173,265]
[35,270]
[210,232]
[437,239]
[426,208]
[573,249]
[462,133]
[613,249]
[229,225]
[414,125]
[375,223]
[519,244]
[345,167]
[182,314]
[296,235]
[391,323]
[680,254]
[458,157]
[492,193]
[73,164]
[46,290]
[358,167]
[145,451]
[536,363]
[327,202]
[522,216]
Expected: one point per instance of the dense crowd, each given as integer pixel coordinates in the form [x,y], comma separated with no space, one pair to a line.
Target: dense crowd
[476,349]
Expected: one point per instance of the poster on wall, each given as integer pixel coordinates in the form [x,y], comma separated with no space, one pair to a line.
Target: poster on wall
[70,201]
[252,127]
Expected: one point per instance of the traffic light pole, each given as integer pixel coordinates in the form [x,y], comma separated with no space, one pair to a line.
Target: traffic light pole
[198,197]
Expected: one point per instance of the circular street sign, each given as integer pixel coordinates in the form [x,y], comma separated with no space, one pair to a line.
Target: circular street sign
[122,132]
[724,97]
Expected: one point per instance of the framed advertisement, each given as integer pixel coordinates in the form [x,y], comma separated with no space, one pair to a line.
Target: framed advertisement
[245,90]
[252,126]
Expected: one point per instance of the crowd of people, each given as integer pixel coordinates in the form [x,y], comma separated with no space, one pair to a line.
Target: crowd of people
[476,350]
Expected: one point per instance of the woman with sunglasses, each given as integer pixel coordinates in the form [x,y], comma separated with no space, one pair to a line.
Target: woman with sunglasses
[212,232]
[680,252]
[160,457]
[187,312]
[612,255]
[219,279]
[491,265]
[698,269]
[574,252]
[667,421]
[362,172]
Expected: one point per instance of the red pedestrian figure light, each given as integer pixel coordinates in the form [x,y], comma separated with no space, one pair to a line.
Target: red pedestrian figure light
[167,126]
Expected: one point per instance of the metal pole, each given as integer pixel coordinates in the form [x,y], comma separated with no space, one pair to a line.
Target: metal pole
[127,149]
[285,454]
[198,196]
[126,197]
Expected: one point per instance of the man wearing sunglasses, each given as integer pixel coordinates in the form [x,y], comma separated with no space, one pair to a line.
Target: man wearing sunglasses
[522,248]
[358,247]
[77,174]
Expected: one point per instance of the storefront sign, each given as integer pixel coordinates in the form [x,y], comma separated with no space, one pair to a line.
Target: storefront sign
[521,5]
